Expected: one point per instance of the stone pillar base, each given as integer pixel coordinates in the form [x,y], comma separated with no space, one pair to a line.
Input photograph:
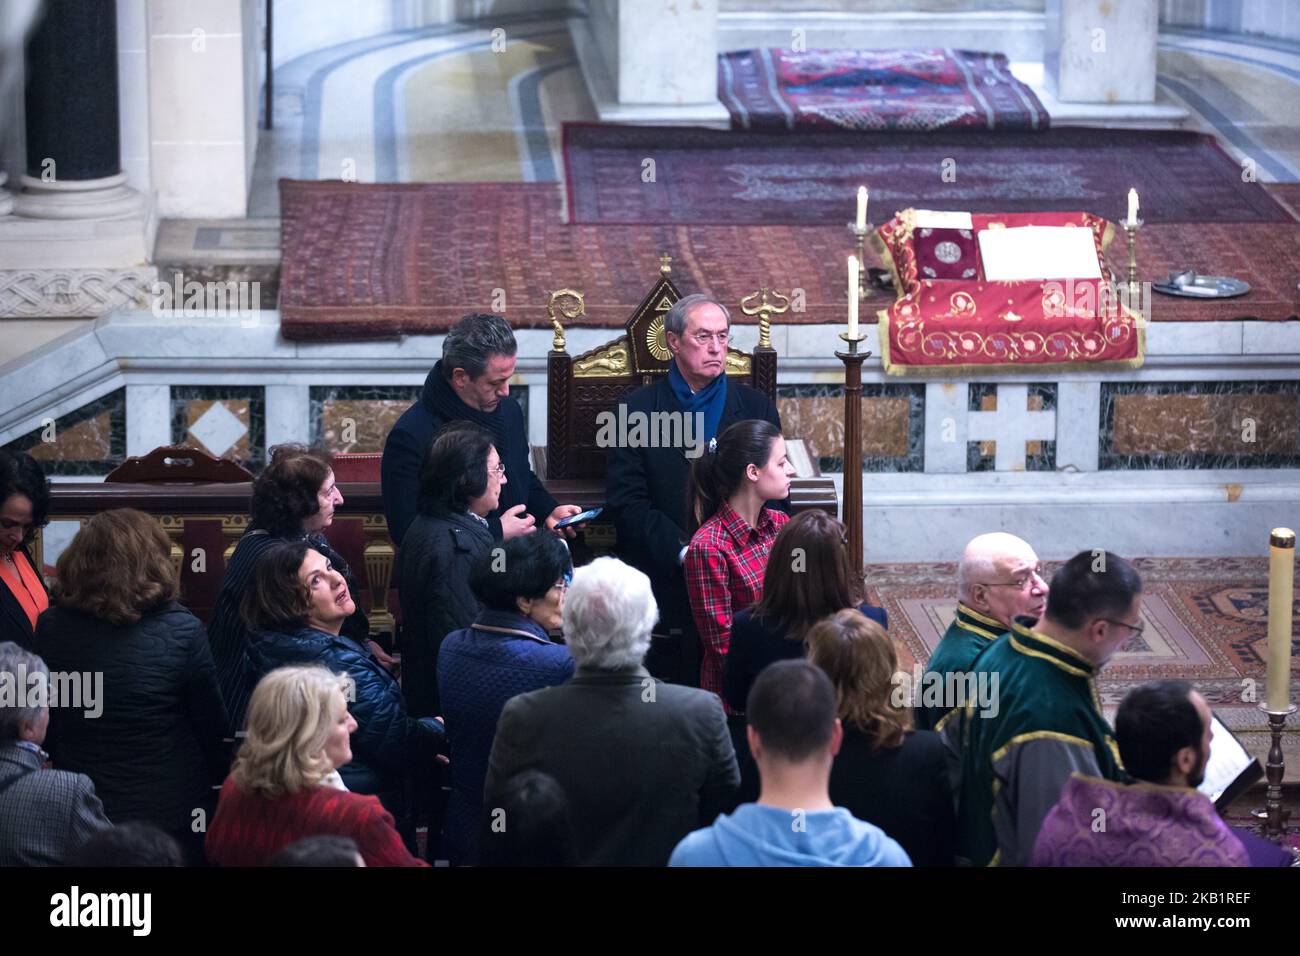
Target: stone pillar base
[107,198]
[89,254]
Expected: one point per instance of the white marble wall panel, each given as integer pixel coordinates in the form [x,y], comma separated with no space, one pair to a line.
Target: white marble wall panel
[945,427]
[1101,52]
[148,418]
[133,92]
[288,409]
[1271,338]
[667,51]
[198,107]
[1078,410]
[1196,338]
[931,517]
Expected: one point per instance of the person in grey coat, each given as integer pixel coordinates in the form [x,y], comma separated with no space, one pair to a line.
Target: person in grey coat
[44,814]
[460,485]
[642,762]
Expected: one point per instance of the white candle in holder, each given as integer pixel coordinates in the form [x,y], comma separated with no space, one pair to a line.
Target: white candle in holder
[853,297]
[1132,207]
[862,208]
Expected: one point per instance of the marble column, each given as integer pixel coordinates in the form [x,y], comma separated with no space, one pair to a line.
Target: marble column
[78,240]
[73,153]
[1101,52]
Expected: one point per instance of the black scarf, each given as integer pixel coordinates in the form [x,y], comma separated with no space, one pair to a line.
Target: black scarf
[447,406]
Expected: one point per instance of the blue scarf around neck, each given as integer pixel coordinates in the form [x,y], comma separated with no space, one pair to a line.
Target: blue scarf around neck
[709,400]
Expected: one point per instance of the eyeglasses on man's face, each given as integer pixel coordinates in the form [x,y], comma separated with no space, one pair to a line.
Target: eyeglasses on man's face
[498,469]
[1135,628]
[702,339]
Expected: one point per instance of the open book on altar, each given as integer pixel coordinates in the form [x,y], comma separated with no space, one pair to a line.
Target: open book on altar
[1038,252]
[1231,771]
[979,290]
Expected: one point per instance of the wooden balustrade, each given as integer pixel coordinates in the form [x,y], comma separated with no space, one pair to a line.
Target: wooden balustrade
[206,520]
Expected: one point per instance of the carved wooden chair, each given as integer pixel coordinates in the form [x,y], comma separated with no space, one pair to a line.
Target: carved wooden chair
[579,389]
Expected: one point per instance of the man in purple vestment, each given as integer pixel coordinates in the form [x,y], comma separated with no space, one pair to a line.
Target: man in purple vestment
[1163,733]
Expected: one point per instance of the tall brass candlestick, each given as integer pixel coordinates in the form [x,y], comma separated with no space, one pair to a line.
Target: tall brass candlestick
[853,360]
[1281,576]
[1131,227]
[860,238]
[1278,706]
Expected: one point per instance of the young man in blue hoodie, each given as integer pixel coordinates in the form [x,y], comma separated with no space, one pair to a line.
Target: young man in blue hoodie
[794,736]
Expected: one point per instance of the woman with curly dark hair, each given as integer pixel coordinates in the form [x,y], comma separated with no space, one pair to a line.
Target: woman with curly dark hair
[293,500]
[24,505]
[146,722]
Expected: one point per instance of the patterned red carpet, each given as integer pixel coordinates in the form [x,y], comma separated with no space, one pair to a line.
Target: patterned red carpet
[1266,255]
[717,176]
[376,260]
[1206,622]
[910,90]
[381,260]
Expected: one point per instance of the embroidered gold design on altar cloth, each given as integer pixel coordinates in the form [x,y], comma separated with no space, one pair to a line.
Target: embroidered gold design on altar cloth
[961,304]
[940,350]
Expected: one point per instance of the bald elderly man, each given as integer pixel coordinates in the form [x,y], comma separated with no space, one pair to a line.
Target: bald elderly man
[998,580]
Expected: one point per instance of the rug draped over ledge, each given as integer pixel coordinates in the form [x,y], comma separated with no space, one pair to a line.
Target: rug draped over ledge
[907,90]
[376,260]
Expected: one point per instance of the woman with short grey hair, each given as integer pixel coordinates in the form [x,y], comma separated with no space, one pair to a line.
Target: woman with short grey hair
[44,814]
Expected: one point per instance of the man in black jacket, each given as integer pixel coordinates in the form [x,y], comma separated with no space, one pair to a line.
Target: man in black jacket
[647,485]
[470,383]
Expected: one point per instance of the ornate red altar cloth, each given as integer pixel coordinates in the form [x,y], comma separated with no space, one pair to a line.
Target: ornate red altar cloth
[943,326]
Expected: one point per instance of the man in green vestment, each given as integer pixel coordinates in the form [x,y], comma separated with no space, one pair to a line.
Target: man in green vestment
[999,579]
[1046,722]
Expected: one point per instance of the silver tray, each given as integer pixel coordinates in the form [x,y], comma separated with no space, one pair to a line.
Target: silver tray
[1204,287]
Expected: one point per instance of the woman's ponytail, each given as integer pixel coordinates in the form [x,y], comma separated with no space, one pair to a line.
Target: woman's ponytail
[718,472]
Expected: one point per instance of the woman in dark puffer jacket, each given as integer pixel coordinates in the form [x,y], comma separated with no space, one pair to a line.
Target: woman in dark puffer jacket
[150,732]
[296,605]
[460,484]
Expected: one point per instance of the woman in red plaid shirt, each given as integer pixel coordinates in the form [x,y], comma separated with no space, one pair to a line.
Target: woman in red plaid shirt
[728,553]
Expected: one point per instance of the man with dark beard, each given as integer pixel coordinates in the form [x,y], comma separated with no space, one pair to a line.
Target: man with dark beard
[1161,819]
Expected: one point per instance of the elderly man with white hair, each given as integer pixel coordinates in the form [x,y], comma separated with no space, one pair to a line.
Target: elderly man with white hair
[998,580]
[642,763]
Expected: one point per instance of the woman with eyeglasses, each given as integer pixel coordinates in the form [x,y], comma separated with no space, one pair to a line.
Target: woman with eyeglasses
[507,651]
[460,485]
[24,504]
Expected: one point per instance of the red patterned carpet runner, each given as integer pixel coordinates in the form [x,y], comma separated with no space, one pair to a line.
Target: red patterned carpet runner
[719,176]
[380,260]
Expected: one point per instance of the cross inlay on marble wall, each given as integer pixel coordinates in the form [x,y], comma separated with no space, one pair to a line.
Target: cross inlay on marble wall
[1011,426]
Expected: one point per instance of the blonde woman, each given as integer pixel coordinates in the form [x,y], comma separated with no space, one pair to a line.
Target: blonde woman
[285,784]
[885,773]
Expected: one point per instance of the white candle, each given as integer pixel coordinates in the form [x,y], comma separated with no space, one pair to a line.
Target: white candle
[862,208]
[853,296]
[1281,575]
[1132,207]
